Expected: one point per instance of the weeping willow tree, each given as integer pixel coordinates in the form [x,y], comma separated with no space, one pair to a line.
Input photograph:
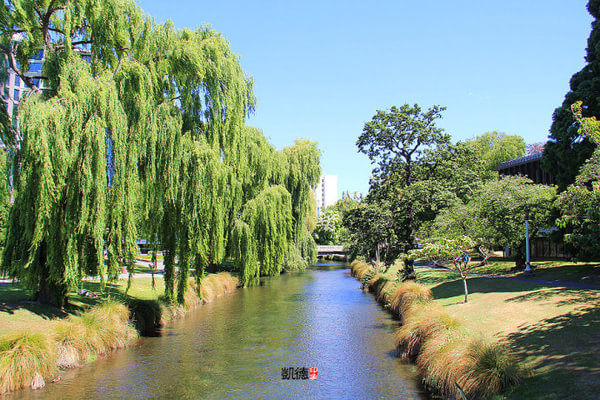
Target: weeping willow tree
[56,230]
[140,133]
[262,235]
[303,173]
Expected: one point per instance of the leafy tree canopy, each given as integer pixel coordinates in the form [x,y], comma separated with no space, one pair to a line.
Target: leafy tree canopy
[568,148]
[496,147]
[140,132]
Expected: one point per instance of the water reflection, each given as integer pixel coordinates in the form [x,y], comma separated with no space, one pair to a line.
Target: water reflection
[236,347]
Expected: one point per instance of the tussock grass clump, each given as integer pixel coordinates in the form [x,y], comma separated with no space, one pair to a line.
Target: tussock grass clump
[109,327]
[95,332]
[214,285]
[423,321]
[444,362]
[71,346]
[482,367]
[25,359]
[492,368]
[359,268]
[408,295]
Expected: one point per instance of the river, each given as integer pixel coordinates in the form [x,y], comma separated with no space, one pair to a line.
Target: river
[242,345]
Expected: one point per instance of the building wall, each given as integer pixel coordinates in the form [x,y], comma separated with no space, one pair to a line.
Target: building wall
[14,89]
[326,192]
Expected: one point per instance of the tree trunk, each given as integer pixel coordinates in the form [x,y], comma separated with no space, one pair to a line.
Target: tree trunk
[464,279]
[519,258]
[49,292]
[408,273]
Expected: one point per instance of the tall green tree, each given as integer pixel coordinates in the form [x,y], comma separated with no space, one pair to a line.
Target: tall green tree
[494,216]
[579,204]
[151,108]
[303,173]
[397,141]
[418,173]
[568,148]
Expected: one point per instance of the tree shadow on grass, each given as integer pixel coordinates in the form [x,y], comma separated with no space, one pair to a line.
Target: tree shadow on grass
[481,285]
[564,296]
[14,298]
[578,273]
[563,352]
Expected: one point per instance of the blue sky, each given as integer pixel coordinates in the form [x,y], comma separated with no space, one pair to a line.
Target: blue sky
[322,68]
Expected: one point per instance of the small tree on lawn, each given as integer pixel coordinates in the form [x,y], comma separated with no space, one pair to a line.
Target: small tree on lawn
[446,251]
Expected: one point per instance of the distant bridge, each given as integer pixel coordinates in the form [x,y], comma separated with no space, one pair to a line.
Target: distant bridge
[331,250]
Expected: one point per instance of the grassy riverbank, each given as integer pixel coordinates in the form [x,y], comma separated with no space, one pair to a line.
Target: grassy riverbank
[36,341]
[552,330]
[451,357]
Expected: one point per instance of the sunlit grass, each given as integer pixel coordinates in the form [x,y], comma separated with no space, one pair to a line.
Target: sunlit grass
[25,357]
[407,295]
[359,269]
[552,330]
[214,285]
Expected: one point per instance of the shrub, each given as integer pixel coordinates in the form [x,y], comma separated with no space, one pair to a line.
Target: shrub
[147,314]
[25,357]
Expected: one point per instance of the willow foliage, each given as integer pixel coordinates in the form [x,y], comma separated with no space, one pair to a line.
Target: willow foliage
[57,223]
[269,220]
[141,134]
[303,172]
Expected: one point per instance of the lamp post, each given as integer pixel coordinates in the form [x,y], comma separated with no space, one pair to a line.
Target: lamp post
[527,265]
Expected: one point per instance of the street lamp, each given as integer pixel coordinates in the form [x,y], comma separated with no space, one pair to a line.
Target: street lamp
[527,265]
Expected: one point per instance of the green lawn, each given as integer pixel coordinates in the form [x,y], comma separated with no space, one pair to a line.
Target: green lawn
[553,330]
[567,271]
[17,312]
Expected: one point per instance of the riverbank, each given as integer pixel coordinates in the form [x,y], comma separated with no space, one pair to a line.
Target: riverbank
[551,329]
[452,359]
[37,342]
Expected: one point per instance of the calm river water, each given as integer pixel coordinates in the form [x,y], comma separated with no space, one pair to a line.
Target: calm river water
[236,348]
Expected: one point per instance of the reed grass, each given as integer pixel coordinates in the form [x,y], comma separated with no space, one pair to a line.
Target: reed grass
[407,295]
[359,268]
[492,369]
[422,322]
[214,285]
[26,358]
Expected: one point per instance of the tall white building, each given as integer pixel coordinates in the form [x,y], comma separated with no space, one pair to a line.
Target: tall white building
[326,192]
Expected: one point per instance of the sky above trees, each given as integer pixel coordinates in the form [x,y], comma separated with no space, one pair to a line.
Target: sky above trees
[322,69]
